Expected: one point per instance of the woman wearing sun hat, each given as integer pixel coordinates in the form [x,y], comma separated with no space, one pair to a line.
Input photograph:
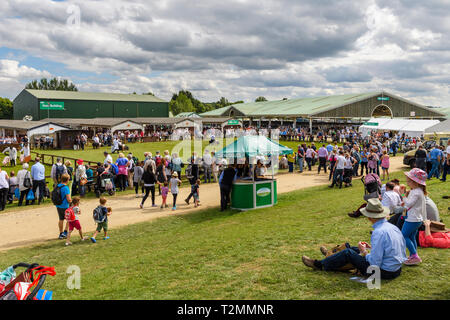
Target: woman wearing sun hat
[414,202]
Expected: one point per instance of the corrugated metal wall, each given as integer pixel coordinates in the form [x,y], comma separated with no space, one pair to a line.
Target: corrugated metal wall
[89,109]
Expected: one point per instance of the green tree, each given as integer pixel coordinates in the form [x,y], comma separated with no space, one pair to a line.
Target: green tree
[181,104]
[52,84]
[260,99]
[6,108]
[148,93]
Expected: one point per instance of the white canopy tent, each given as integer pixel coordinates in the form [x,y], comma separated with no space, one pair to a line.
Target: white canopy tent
[127,125]
[411,127]
[45,129]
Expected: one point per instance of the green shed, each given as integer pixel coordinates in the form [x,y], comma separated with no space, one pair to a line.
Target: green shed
[41,104]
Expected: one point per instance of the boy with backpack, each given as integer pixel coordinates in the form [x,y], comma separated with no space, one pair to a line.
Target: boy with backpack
[72,214]
[100,216]
[61,199]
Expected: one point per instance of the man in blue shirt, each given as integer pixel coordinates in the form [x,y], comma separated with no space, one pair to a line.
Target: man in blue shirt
[61,208]
[387,250]
[435,158]
[38,176]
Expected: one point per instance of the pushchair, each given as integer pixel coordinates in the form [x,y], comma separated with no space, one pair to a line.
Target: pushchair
[372,186]
[28,284]
[372,189]
[104,184]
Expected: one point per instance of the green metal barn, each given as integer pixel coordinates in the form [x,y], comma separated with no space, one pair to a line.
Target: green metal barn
[41,104]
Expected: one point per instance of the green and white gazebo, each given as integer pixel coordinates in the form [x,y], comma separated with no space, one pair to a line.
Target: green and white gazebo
[249,194]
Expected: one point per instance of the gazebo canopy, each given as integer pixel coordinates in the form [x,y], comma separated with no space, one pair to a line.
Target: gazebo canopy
[252,146]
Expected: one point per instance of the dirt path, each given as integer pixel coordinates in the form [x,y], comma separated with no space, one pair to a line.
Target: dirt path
[27,227]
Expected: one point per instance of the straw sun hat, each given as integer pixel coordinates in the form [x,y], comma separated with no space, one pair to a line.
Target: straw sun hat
[375,209]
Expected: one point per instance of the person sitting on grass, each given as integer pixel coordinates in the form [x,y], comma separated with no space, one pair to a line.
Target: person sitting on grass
[387,250]
[74,221]
[436,235]
[101,214]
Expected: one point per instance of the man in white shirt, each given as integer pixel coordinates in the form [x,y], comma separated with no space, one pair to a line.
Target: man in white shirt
[107,157]
[339,171]
[391,199]
[207,163]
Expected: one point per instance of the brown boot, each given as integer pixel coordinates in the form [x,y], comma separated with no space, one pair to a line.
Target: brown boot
[309,262]
[324,250]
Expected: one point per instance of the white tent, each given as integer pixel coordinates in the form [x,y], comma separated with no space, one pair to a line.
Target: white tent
[411,127]
[127,125]
[45,129]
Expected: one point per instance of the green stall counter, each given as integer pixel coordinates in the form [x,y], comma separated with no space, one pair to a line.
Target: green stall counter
[249,194]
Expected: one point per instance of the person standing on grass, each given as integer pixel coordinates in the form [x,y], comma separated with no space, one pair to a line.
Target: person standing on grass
[387,249]
[323,155]
[435,157]
[300,157]
[339,170]
[332,158]
[174,184]
[101,214]
[164,193]
[74,221]
[58,169]
[226,182]
[150,180]
[385,164]
[364,161]
[122,164]
[415,204]
[446,163]
[137,177]
[24,178]
[80,174]
[4,189]
[38,175]
[63,191]
[291,161]
[309,157]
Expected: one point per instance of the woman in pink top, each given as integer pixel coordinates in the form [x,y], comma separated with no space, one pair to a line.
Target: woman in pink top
[385,164]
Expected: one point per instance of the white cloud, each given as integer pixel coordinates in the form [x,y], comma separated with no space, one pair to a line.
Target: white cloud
[236,49]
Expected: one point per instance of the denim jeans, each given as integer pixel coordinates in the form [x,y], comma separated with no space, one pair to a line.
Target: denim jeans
[291,166]
[351,255]
[409,231]
[434,169]
[300,164]
[341,258]
[446,169]
[338,173]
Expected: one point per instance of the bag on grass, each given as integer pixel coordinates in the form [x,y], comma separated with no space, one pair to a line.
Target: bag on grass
[338,248]
[30,195]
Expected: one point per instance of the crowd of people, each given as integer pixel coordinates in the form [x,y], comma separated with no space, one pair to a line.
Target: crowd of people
[369,155]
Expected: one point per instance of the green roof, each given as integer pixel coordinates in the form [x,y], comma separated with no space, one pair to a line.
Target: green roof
[79,95]
[293,107]
[300,107]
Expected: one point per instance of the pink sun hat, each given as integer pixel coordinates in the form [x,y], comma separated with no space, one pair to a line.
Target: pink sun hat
[417,175]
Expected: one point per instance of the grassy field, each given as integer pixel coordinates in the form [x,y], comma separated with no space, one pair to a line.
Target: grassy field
[237,255]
